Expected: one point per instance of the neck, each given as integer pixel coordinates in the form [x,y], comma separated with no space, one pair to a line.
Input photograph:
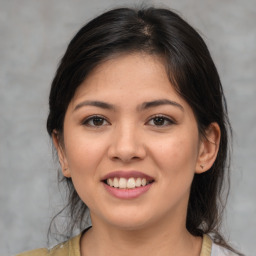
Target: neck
[103,240]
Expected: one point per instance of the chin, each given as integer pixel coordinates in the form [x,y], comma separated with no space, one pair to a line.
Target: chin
[129,221]
[130,226]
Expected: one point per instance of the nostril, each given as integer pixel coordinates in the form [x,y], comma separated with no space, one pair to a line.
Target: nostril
[126,150]
[125,159]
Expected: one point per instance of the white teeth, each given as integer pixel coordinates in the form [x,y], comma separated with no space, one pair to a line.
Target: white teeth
[115,183]
[130,183]
[124,183]
[110,182]
[138,182]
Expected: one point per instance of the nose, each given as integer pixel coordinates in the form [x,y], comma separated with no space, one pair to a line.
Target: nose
[127,144]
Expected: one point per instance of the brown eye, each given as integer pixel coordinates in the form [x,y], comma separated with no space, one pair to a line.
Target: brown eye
[160,121]
[95,121]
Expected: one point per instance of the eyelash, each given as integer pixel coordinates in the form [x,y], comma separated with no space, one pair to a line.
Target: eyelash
[93,118]
[103,121]
[164,118]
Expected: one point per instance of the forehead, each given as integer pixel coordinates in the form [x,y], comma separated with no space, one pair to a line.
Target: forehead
[127,83]
[129,73]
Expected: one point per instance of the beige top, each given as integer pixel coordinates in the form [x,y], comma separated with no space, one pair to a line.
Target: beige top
[72,248]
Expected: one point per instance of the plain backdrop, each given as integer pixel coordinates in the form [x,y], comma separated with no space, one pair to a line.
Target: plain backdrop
[34,35]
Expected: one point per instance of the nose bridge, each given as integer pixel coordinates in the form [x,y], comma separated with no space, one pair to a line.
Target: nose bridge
[127,142]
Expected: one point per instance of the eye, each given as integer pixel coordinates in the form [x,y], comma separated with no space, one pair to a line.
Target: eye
[95,121]
[160,120]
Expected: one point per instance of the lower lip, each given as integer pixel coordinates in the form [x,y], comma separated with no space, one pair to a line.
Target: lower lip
[127,193]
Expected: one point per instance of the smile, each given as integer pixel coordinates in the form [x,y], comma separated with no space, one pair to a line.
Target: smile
[129,183]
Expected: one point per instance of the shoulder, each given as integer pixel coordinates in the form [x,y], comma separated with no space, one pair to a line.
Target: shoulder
[59,250]
[37,252]
[70,247]
[218,250]
[209,248]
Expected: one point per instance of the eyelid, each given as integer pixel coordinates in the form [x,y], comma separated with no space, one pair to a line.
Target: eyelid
[167,118]
[91,117]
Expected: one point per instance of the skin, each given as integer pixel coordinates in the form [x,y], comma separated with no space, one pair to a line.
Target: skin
[126,137]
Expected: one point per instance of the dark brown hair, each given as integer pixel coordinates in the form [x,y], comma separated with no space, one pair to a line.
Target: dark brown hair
[191,70]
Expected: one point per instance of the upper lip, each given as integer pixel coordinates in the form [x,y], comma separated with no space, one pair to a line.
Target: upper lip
[127,175]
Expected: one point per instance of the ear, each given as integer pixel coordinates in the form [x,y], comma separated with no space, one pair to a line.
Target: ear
[61,154]
[208,149]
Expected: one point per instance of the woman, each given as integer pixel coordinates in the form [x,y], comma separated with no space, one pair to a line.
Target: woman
[139,122]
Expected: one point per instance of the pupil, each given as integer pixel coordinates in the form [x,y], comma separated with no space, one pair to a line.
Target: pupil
[158,121]
[98,121]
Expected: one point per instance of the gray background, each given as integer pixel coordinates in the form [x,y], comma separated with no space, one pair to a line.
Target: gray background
[34,35]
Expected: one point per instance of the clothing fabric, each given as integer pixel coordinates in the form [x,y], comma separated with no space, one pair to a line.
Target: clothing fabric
[220,251]
[72,248]
[68,248]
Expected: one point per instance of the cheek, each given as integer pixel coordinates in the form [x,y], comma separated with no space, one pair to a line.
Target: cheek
[178,153]
[83,154]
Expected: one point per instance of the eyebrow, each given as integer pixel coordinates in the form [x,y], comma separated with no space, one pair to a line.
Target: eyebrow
[143,106]
[99,104]
[160,102]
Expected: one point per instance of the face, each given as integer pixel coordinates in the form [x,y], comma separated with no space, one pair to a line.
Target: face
[131,144]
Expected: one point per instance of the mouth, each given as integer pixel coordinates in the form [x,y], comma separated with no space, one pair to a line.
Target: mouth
[127,183]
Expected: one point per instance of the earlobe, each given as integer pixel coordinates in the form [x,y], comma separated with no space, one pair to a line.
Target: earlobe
[209,147]
[61,154]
